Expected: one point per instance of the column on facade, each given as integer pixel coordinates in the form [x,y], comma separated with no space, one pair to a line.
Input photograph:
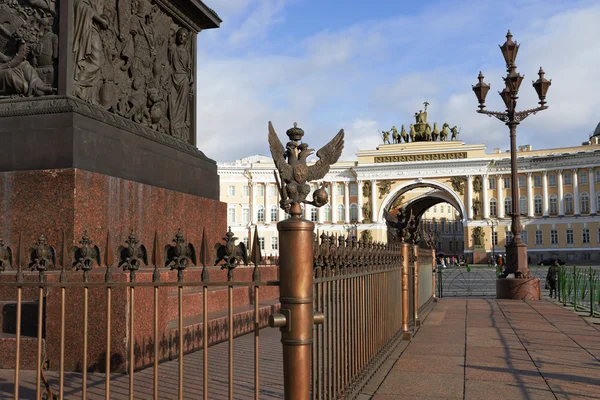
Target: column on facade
[484,196]
[253,210]
[593,199]
[320,212]
[373,201]
[530,209]
[576,192]
[333,202]
[561,200]
[347,202]
[280,211]
[307,211]
[359,203]
[500,203]
[545,207]
[470,197]
[267,203]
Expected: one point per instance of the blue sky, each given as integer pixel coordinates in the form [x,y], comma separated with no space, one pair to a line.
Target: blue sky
[365,66]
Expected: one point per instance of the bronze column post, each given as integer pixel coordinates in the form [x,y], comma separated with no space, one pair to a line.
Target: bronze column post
[405,295]
[416,286]
[433,271]
[296,296]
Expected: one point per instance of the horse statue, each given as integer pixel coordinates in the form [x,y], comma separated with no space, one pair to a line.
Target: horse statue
[395,135]
[454,131]
[403,134]
[445,132]
[412,133]
[436,132]
[427,134]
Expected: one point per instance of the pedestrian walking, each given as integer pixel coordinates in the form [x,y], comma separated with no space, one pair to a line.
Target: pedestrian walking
[552,278]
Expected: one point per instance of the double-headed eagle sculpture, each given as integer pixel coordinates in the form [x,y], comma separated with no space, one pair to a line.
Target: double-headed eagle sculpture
[294,175]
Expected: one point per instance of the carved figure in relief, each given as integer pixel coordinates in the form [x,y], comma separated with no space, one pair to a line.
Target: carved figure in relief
[181,91]
[88,54]
[478,235]
[45,53]
[139,50]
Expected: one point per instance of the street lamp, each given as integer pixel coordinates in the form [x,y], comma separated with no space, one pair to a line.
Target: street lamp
[516,251]
[493,224]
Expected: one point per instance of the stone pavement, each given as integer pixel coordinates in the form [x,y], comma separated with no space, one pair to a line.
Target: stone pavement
[497,349]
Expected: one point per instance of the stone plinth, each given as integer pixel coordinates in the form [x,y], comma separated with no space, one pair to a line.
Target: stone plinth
[518,289]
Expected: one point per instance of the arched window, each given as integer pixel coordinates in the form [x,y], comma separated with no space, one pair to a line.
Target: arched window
[523,205]
[340,213]
[493,207]
[537,204]
[314,214]
[553,204]
[327,213]
[260,213]
[584,199]
[273,213]
[598,202]
[353,213]
[568,203]
[508,206]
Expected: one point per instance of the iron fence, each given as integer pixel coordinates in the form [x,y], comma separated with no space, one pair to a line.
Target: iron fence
[580,288]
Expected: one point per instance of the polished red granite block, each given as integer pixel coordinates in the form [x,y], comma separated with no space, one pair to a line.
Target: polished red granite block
[73,201]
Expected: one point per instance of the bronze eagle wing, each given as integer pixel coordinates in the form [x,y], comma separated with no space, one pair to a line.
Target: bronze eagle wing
[278,152]
[328,155]
[192,253]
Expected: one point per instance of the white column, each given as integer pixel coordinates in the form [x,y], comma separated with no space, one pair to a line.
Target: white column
[307,211]
[267,203]
[333,202]
[530,210]
[253,214]
[593,199]
[484,196]
[576,191]
[360,201]
[499,183]
[347,202]
[561,200]
[545,207]
[470,197]
[280,211]
[373,201]
[320,212]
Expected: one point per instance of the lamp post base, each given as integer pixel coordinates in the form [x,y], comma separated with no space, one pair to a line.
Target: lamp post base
[516,259]
[518,289]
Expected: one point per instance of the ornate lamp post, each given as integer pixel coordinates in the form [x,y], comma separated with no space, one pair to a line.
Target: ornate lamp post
[493,224]
[516,251]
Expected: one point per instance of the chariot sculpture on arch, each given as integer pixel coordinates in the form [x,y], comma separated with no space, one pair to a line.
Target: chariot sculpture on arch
[293,175]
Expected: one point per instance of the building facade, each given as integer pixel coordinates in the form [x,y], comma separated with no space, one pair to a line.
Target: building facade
[454,188]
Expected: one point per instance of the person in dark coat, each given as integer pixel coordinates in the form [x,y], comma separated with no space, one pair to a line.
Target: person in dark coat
[552,278]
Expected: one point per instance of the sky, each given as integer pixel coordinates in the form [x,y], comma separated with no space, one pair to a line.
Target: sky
[364,66]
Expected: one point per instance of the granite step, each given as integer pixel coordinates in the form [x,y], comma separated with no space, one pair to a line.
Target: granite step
[28,351]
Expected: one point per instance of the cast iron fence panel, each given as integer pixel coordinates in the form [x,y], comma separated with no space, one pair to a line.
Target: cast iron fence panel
[579,287]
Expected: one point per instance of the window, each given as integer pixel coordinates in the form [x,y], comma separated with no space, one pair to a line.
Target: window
[598,235]
[353,213]
[509,237]
[521,181]
[231,215]
[353,189]
[567,178]
[340,213]
[261,241]
[537,181]
[274,243]
[260,190]
[340,189]
[553,236]
[598,202]
[585,236]
[246,190]
[493,207]
[538,237]
[523,205]
[524,236]
[314,214]
[246,242]
[584,202]
[569,236]
[598,175]
[583,177]
[495,238]
[260,213]
[245,215]
[434,209]
[313,187]
[537,204]
[506,183]
[552,179]
[553,204]
[507,206]
[327,213]
[273,213]
[568,203]
[231,190]
[273,190]
[492,183]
